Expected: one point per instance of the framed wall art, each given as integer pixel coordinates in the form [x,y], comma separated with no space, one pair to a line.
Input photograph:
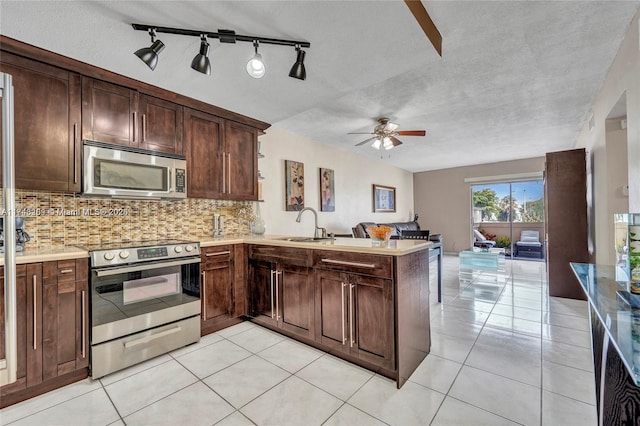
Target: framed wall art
[294,185]
[384,198]
[327,191]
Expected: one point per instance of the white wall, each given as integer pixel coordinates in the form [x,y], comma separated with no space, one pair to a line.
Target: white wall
[354,177]
[624,75]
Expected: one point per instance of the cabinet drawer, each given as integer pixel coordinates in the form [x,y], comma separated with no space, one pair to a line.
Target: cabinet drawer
[358,263]
[66,271]
[287,255]
[216,254]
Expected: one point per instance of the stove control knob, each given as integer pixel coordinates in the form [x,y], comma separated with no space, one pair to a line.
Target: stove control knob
[124,254]
[109,255]
[177,249]
[188,247]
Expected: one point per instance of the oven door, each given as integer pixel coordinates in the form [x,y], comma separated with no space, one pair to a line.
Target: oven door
[131,298]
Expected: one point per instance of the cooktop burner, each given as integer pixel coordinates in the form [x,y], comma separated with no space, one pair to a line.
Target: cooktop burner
[109,254]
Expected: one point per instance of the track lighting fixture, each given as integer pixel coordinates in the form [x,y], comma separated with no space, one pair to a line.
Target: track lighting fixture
[149,55]
[298,70]
[201,63]
[255,66]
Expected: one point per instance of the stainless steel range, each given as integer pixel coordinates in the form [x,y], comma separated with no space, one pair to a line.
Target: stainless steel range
[145,301]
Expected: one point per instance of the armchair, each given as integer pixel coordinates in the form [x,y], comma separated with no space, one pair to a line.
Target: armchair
[481,240]
[529,245]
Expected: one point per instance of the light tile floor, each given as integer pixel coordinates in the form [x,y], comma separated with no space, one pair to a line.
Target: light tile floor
[503,353]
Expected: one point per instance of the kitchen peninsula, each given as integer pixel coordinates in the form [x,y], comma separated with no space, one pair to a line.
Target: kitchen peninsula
[368,305]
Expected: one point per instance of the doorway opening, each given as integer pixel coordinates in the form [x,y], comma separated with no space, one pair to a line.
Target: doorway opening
[511,214]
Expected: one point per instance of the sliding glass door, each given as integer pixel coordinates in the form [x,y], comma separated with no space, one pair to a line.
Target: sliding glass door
[502,210]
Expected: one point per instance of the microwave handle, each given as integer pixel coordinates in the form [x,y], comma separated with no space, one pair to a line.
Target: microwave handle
[170,186]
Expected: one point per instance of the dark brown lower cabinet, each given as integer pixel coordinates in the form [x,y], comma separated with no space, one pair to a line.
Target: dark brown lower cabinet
[372,310]
[52,325]
[355,316]
[281,291]
[222,286]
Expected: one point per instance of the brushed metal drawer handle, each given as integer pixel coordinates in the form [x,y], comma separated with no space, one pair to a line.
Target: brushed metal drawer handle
[204,295]
[35,312]
[344,338]
[84,324]
[219,253]
[66,271]
[356,264]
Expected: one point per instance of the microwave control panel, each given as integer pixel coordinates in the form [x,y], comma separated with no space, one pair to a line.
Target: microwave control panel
[181,185]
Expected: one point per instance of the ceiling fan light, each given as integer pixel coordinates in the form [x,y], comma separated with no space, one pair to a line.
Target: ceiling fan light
[387,143]
[255,66]
[149,55]
[376,144]
[201,61]
[298,70]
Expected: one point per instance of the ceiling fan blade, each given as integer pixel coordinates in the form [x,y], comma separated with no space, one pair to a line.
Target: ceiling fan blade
[427,25]
[361,133]
[366,141]
[412,132]
[395,141]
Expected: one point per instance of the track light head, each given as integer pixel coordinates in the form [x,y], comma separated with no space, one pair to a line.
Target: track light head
[149,55]
[201,61]
[255,66]
[298,70]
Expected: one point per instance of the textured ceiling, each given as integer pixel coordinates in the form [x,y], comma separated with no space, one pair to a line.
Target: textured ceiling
[516,79]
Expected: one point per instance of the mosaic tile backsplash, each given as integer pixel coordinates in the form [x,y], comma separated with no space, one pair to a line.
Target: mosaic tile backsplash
[59,219]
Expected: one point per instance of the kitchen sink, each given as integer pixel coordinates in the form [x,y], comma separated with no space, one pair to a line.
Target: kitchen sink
[305,239]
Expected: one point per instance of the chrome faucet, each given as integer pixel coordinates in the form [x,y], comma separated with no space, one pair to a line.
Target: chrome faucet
[315,214]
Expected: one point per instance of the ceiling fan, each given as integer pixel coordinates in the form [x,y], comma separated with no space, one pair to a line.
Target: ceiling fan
[385,134]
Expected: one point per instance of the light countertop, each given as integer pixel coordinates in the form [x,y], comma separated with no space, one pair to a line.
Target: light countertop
[357,245]
[33,255]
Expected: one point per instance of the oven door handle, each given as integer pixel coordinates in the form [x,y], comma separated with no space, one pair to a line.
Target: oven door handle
[144,267]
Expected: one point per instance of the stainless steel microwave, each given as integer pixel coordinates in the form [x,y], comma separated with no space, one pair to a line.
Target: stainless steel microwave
[120,171]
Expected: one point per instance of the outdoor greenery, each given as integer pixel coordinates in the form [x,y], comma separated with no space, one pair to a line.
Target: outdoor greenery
[503,242]
[507,209]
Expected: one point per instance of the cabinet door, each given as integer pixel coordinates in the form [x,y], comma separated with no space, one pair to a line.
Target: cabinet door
[242,161]
[203,139]
[331,309]
[371,321]
[46,125]
[21,327]
[295,300]
[82,313]
[34,324]
[262,292]
[160,125]
[108,113]
[64,347]
[217,285]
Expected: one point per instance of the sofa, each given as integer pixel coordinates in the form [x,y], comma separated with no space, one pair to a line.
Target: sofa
[360,230]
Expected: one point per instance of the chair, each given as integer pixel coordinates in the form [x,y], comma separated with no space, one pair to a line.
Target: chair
[529,245]
[481,240]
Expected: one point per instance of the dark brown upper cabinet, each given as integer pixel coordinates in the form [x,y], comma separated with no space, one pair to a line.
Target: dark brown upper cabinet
[241,150]
[46,123]
[222,158]
[119,115]
[161,125]
[203,137]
